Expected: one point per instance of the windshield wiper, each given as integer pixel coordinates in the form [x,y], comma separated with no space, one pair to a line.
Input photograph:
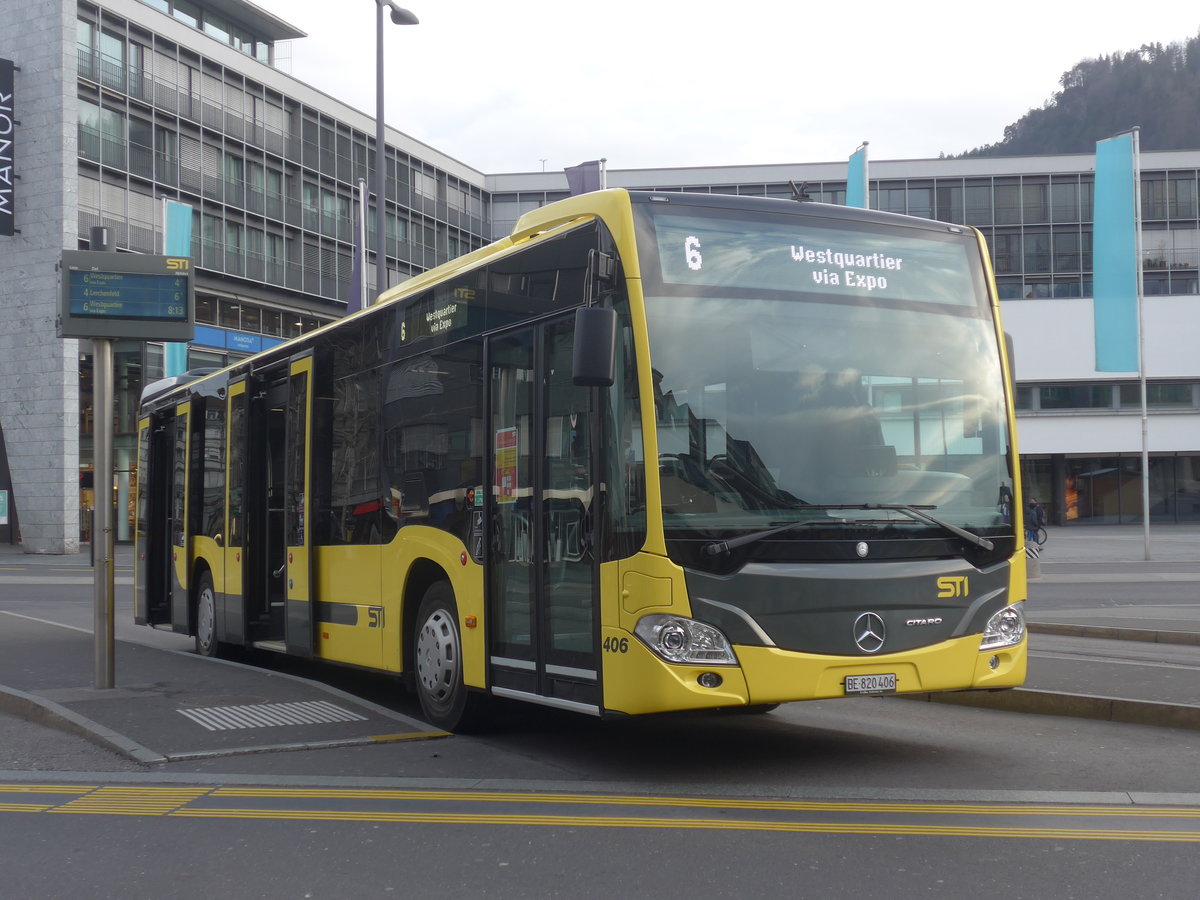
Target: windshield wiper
[918,512]
[717,548]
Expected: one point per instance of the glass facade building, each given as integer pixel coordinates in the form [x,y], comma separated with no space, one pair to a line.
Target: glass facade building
[270,176]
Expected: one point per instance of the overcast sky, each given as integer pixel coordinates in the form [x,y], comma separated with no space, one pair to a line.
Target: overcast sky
[522,85]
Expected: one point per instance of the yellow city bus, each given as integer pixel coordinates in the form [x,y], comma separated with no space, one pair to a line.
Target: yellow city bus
[652,451]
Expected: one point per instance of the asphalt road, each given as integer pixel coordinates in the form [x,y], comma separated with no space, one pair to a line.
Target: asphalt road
[870,797]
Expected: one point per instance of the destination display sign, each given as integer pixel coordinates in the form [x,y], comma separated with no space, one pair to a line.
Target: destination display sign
[799,255]
[126,295]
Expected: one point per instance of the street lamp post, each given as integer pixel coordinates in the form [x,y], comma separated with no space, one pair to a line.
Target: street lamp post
[400,16]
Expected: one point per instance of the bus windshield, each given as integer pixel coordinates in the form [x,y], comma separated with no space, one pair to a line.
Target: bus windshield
[810,369]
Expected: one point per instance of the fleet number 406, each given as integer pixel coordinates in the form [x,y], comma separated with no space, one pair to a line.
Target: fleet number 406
[616,645]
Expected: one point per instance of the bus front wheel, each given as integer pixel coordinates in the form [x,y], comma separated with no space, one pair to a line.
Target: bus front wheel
[437,655]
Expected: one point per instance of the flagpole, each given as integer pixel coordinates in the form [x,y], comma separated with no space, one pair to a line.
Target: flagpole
[1137,232]
[361,249]
[866,175]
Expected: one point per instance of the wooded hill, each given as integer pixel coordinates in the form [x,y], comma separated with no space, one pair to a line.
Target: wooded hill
[1156,87]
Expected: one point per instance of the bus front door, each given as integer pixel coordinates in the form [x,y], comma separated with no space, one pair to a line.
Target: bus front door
[542,578]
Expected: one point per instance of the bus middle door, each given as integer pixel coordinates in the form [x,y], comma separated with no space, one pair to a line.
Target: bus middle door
[299,514]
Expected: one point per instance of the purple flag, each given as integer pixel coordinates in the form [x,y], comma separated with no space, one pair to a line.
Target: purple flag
[584,178]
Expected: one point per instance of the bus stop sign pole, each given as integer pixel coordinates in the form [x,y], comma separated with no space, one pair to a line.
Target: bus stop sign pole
[103,567]
[106,297]
[102,532]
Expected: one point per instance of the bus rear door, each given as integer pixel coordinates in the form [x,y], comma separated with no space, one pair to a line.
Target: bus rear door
[152,592]
[179,520]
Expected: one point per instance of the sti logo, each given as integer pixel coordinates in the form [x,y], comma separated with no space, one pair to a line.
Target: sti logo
[177,264]
[952,586]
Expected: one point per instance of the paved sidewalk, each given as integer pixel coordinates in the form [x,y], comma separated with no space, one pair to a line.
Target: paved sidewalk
[168,704]
[1120,662]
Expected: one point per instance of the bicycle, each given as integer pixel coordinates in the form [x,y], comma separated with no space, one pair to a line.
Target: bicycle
[1041,537]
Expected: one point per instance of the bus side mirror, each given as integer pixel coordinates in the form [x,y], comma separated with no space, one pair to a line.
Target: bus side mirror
[593,362]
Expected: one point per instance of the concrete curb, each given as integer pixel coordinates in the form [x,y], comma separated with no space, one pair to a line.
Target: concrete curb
[54,715]
[1109,632]
[1079,706]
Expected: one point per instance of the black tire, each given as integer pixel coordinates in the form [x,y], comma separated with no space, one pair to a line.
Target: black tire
[206,616]
[438,667]
[1041,537]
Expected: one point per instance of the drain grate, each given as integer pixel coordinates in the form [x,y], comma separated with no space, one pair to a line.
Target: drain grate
[270,715]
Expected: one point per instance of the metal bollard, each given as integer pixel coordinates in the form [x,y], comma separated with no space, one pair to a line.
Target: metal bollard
[1033,560]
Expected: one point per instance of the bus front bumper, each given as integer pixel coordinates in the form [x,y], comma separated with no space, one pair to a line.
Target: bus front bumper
[639,682]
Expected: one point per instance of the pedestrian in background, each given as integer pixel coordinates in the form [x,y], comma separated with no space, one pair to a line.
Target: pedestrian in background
[1035,518]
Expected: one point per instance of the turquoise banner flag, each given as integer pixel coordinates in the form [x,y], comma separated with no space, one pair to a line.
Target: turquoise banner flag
[1114,256]
[857,192]
[177,241]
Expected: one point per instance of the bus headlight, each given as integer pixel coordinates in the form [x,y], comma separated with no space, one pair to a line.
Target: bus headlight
[1005,628]
[680,640]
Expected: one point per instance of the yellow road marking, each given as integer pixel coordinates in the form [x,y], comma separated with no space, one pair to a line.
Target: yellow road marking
[716,802]
[176,801]
[132,801]
[693,824]
[46,789]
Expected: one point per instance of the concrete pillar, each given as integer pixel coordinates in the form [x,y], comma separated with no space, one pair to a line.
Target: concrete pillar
[39,373]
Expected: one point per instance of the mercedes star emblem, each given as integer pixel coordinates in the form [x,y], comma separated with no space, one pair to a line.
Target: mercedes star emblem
[869,632]
[861,548]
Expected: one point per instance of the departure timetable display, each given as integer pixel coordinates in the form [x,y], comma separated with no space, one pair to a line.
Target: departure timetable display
[128,295]
[773,254]
[139,296]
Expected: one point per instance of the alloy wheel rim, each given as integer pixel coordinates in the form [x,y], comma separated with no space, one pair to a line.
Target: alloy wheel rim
[437,656]
[206,616]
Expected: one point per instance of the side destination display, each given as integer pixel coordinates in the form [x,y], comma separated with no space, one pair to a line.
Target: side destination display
[126,295]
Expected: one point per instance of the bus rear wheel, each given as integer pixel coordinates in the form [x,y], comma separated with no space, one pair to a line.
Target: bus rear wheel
[438,664]
[206,616]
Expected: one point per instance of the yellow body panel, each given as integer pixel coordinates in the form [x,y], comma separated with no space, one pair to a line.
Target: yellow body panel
[648,584]
[777,676]
[206,551]
[373,579]
[350,576]
[420,542]
[636,681]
